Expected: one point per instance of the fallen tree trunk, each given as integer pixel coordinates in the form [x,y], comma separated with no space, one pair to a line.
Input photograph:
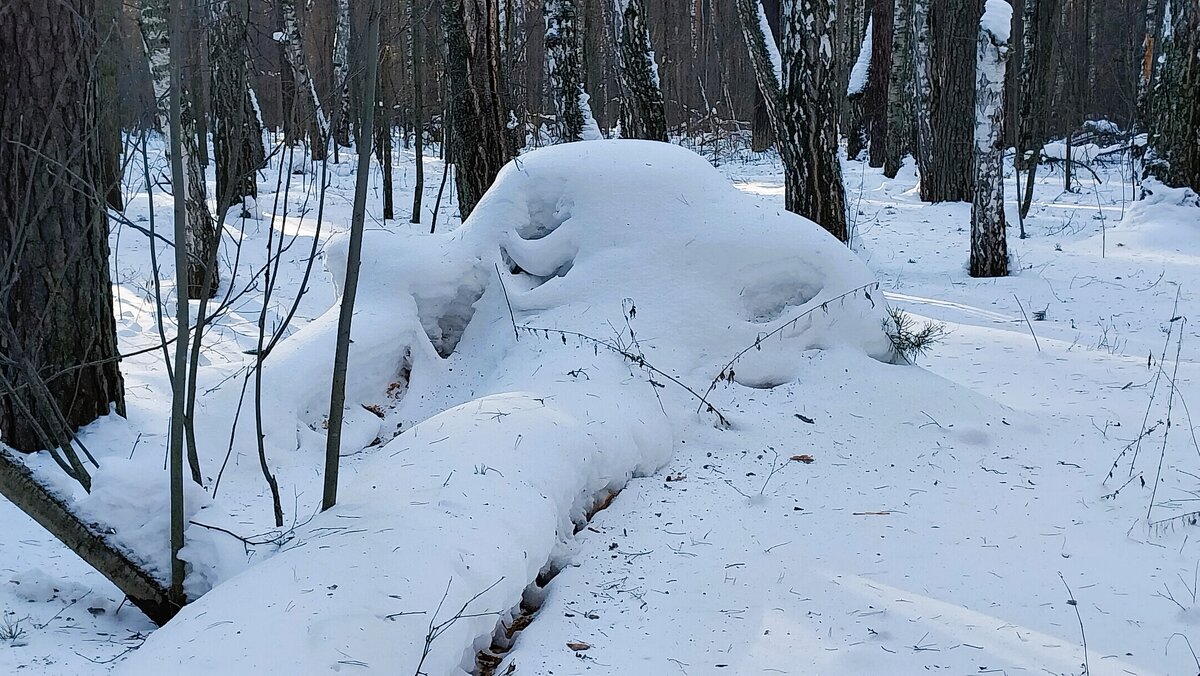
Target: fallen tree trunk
[22,488]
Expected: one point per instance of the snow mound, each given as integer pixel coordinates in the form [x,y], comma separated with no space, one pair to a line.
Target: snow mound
[538,357]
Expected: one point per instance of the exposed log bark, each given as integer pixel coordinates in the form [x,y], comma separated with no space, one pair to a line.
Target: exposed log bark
[146,592]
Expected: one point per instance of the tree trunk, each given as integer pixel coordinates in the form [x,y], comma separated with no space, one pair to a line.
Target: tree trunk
[1153,26]
[1174,127]
[312,114]
[384,102]
[875,97]
[42,503]
[564,68]
[108,63]
[814,186]
[1034,84]
[922,90]
[955,28]
[759,21]
[416,58]
[989,246]
[337,399]
[237,125]
[643,114]
[476,142]
[341,74]
[856,87]
[899,125]
[202,237]
[58,346]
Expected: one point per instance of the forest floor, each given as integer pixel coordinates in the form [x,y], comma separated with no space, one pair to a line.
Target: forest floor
[992,510]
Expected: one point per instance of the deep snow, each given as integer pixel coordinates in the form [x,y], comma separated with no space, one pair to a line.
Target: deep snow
[927,535]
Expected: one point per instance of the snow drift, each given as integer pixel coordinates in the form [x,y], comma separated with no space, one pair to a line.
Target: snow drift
[542,354]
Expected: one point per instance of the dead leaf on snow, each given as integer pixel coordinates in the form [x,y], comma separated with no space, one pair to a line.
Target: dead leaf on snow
[578,646]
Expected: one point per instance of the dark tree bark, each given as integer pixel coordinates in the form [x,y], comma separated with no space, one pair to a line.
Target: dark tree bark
[954,27]
[19,486]
[385,103]
[1033,86]
[762,133]
[56,314]
[875,98]
[476,138]
[1174,127]
[643,114]
[416,57]
[237,128]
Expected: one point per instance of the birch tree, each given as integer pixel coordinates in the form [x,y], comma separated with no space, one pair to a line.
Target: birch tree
[989,246]
[922,90]
[643,113]
[564,71]
[201,235]
[800,91]
[899,127]
[312,113]
[341,74]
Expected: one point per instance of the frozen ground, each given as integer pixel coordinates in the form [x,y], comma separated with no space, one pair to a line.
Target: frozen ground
[945,512]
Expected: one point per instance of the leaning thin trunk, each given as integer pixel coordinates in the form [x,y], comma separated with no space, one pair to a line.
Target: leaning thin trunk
[989,247]
[1033,86]
[358,214]
[416,59]
[201,237]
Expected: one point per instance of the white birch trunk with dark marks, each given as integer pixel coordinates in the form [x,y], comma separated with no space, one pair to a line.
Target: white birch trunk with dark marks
[341,74]
[922,87]
[565,74]
[989,244]
[312,114]
[899,127]
[643,113]
[813,181]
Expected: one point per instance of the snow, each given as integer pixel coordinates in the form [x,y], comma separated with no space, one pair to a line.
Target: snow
[928,534]
[769,41]
[997,19]
[862,66]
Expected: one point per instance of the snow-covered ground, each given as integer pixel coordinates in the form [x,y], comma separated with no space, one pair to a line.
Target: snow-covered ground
[946,510]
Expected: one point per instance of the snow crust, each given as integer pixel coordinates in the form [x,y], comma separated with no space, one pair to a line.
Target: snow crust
[862,66]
